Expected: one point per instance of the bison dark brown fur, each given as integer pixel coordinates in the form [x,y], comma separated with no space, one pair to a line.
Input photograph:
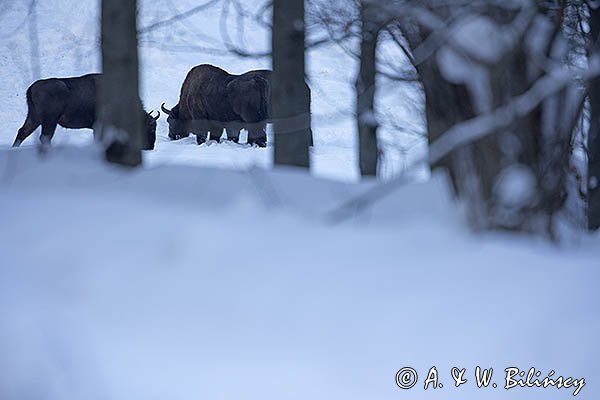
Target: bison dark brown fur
[211,100]
[70,103]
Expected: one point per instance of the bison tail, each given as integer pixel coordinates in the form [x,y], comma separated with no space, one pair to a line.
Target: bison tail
[31,109]
[265,100]
[30,106]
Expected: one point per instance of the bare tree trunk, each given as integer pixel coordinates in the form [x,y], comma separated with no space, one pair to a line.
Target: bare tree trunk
[513,179]
[365,90]
[290,95]
[34,41]
[119,125]
[593,211]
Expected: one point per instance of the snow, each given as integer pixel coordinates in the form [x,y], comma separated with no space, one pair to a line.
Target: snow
[69,47]
[474,43]
[480,38]
[515,186]
[206,274]
[539,35]
[514,189]
[192,282]
[368,118]
[458,69]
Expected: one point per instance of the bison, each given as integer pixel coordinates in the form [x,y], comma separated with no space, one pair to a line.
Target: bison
[70,103]
[211,100]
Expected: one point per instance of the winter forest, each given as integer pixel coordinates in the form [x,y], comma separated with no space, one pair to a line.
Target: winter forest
[299,199]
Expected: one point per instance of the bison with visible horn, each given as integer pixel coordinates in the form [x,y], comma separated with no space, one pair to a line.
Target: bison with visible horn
[70,103]
[211,100]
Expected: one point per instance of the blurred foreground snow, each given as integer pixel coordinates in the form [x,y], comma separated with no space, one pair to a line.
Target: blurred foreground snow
[184,283]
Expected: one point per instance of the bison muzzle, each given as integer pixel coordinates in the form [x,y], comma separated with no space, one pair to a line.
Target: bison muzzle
[211,100]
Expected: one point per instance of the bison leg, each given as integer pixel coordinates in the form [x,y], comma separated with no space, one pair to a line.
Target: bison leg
[173,136]
[216,132]
[27,129]
[201,137]
[234,137]
[233,132]
[200,129]
[257,134]
[48,129]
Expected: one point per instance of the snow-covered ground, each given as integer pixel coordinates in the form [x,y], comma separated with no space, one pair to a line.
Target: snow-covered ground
[68,31]
[208,275]
[181,282]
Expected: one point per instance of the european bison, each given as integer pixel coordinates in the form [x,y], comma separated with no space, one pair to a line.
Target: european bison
[211,100]
[70,103]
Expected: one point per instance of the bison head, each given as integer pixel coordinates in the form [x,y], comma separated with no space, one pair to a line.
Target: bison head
[178,128]
[150,126]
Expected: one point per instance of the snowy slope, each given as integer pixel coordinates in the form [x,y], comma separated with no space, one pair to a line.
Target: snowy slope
[181,282]
[68,31]
[186,281]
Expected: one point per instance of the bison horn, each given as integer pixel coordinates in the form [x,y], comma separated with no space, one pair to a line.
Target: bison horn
[157,116]
[162,107]
[154,118]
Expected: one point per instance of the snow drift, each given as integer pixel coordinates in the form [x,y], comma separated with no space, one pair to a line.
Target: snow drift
[186,282]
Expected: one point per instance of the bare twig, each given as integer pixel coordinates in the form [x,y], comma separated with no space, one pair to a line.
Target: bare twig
[177,17]
[469,131]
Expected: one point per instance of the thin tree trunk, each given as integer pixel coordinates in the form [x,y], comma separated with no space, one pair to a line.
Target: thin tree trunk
[290,95]
[119,108]
[34,42]
[593,211]
[365,90]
